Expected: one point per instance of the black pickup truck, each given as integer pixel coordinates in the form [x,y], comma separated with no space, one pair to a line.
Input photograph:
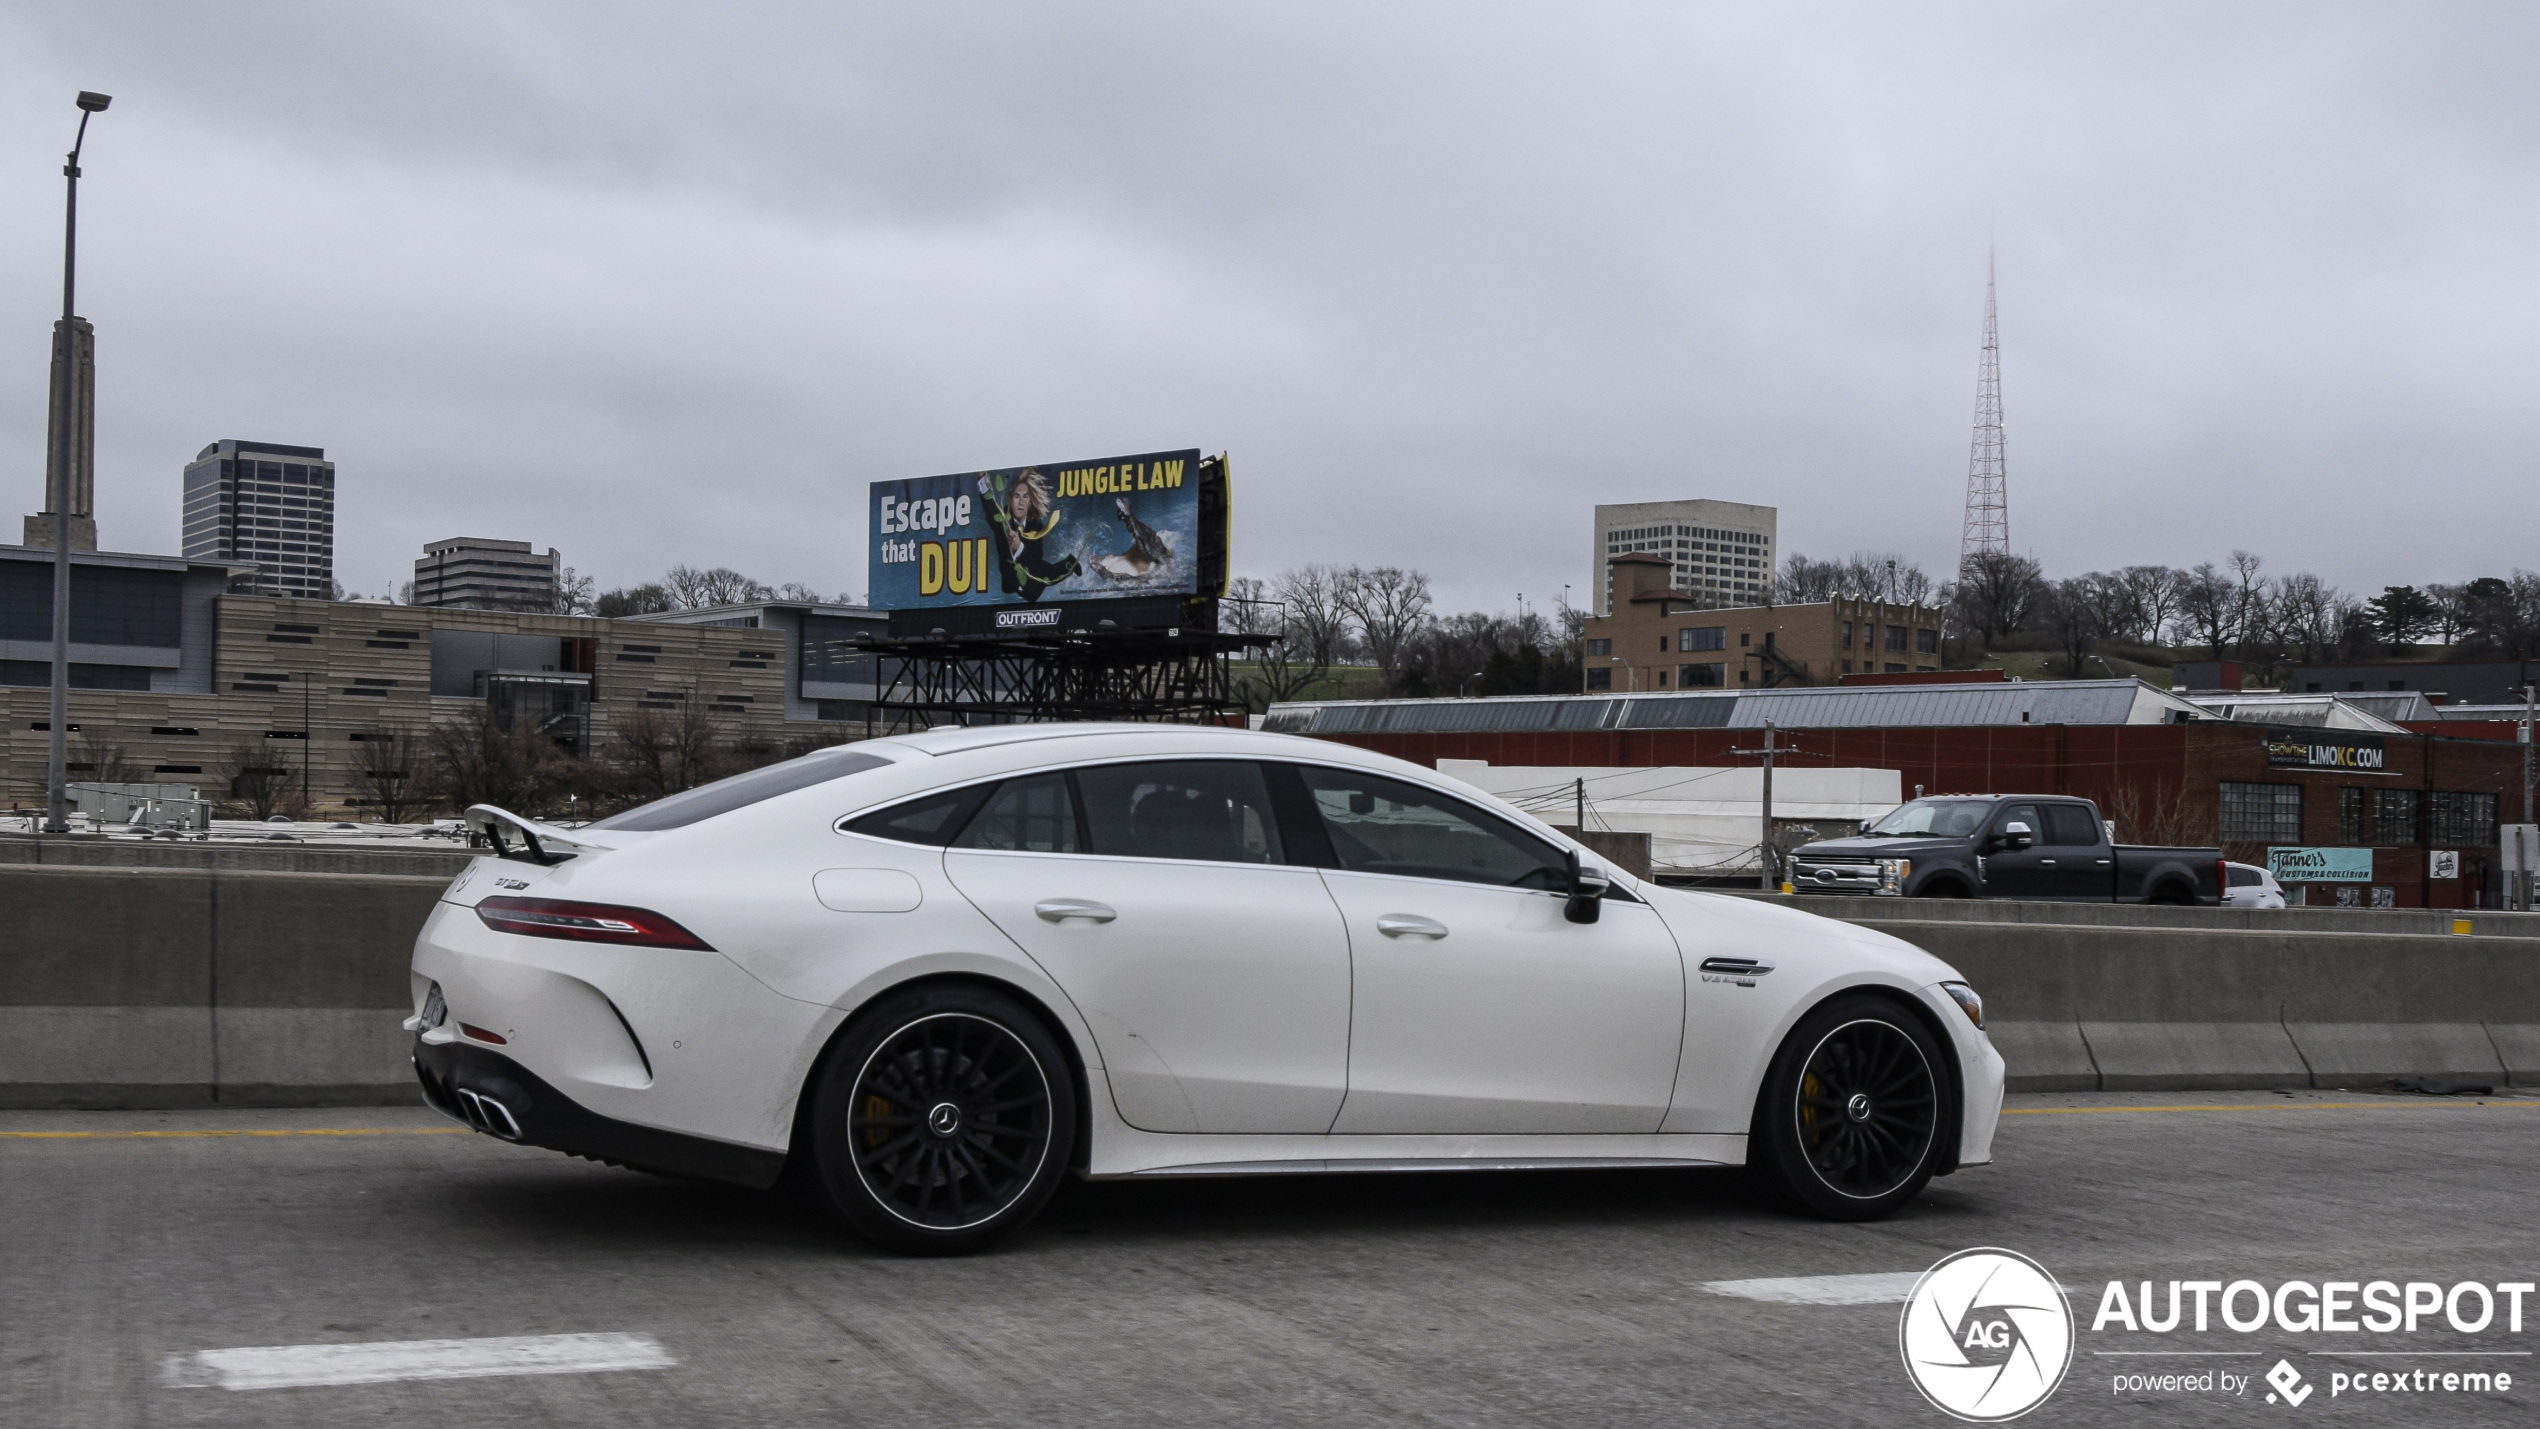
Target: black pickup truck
[2028,846]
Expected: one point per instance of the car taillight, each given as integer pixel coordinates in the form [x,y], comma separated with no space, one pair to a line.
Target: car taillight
[2222,880]
[586,923]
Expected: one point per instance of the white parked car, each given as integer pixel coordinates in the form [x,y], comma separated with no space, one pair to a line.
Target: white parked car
[947,969]
[2249,886]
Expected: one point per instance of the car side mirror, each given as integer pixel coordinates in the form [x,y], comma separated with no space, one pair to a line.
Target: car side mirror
[2016,836]
[1588,883]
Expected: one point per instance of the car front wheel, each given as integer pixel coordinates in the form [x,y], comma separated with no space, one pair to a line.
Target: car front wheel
[942,1120]
[1848,1123]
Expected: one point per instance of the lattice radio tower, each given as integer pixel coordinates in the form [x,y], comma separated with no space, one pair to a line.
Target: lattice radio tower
[1988,527]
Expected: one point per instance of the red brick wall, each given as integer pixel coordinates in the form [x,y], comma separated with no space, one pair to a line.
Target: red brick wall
[2159,782]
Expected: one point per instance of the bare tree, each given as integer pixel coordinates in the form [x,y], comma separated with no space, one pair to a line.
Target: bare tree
[1279,671]
[663,753]
[1864,575]
[2073,613]
[2252,603]
[2150,601]
[797,592]
[255,780]
[573,593]
[1316,612]
[2205,608]
[477,761]
[1387,605]
[1996,592]
[107,760]
[646,599]
[389,763]
[693,589]
[2311,613]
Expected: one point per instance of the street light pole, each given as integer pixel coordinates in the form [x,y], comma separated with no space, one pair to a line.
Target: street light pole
[65,449]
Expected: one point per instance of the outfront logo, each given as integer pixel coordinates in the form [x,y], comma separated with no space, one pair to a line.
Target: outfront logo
[1986,1335]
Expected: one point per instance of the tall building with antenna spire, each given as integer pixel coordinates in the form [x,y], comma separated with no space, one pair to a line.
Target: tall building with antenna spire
[1988,527]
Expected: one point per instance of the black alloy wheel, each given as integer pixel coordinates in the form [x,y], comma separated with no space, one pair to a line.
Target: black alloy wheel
[942,1120]
[1849,1121]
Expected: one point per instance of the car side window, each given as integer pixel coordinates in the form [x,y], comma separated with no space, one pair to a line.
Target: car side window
[1032,814]
[2070,826]
[930,819]
[2020,814]
[2243,877]
[1213,810]
[1381,825]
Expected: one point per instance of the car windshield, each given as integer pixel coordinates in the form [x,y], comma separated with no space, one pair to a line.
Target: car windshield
[1950,818]
[740,791]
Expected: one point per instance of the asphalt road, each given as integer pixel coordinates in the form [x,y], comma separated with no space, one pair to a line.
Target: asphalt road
[1554,1299]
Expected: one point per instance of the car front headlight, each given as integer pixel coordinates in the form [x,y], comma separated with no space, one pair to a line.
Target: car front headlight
[1893,872]
[1967,1000]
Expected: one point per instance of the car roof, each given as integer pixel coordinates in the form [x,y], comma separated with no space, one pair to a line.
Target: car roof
[951,740]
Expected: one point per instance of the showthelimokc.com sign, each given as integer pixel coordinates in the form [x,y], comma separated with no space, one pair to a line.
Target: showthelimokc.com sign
[2324,749]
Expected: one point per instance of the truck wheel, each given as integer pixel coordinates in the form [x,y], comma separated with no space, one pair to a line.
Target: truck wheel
[1849,1119]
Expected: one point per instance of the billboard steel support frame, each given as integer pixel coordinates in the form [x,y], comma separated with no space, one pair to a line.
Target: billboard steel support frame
[1141,676]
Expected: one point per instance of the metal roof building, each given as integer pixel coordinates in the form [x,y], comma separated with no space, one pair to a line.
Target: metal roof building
[2070,702]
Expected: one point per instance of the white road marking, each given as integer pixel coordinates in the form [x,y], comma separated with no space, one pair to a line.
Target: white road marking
[1884,1288]
[284,1366]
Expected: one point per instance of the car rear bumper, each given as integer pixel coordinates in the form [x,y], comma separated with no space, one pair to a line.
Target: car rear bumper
[491,1093]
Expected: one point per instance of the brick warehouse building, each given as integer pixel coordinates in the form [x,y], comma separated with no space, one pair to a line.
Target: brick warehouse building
[2194,781]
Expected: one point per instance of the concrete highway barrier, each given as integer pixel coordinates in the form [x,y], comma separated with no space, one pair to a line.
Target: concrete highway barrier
[169,986]
[172,987]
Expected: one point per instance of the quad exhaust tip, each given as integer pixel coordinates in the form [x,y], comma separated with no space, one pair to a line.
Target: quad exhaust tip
[488,1115]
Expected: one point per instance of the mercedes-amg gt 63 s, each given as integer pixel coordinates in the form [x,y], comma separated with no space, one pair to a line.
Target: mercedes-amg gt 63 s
[937,973]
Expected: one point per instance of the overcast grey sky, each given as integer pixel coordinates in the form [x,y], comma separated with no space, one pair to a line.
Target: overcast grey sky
[660,283]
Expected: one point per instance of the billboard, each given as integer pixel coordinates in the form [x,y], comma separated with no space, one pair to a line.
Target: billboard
[1051,533]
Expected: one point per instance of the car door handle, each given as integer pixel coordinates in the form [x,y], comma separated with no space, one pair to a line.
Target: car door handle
[1410,925]
[1059,910]
[2046,863]
[2103,860]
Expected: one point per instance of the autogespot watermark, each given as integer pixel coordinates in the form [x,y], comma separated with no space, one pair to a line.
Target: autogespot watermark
[1986,1335]
[2322,1308]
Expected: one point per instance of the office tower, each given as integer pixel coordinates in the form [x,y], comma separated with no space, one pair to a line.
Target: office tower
[268,505]
[480,574]
[1720,552]
[74,362]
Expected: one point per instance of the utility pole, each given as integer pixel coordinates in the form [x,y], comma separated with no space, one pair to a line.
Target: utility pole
[65,451]
[1578,792]
[2528,873]
[1772,861]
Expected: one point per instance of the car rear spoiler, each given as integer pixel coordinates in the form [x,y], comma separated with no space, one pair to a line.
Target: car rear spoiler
[525,840]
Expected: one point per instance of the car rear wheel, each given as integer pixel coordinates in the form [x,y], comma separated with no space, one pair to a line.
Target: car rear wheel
[942,1120]
[1849,1119]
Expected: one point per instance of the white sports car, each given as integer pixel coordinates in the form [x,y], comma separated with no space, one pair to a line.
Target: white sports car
[939,972]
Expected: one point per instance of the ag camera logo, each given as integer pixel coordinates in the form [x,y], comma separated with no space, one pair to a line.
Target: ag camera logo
[1986,1335]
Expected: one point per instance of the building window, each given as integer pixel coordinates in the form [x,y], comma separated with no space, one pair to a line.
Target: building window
[2262,813]
[1926,642]
[1703,637]
[1600,679]
[1846,642]
[1744,639]
[1600,647]
[2396,816]
[2351,828]
[1662,679]
[1662,644]
[2468,820]
[1895,667]
[1847,667]
[1701,677]
[1896,635]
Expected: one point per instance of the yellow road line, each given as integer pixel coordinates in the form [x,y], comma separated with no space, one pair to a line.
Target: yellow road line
[2261,1106]
[169,1135]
